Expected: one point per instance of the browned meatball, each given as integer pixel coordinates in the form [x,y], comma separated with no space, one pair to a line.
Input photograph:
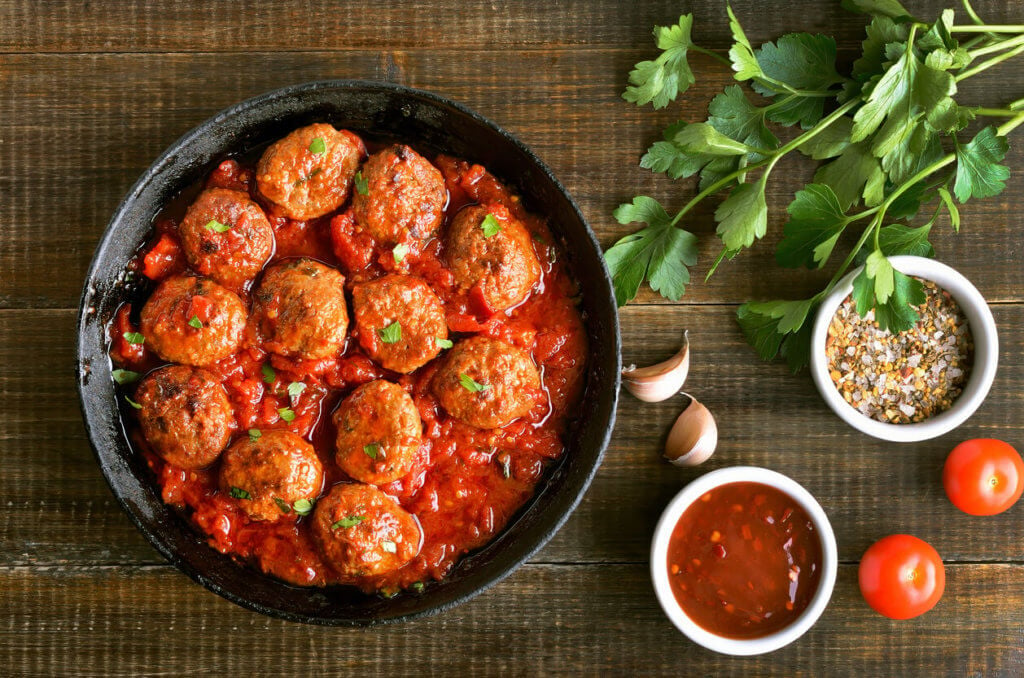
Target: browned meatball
[419,313]
[268,474]
[487,383]
[186,416]
[299,310]
[193,321]
[499,258]
[364,532]
[226,236]
[379,433]
[309,172]
[404,198]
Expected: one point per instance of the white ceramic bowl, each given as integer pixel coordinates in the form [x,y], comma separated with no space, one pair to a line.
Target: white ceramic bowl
[983,371]
[659,560]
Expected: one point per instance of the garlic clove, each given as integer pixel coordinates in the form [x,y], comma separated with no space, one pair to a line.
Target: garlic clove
[662,381]
[693,437]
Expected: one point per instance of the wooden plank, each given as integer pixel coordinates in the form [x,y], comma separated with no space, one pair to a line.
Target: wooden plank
[565,620]
[152,25]
[71,150]
[59,509]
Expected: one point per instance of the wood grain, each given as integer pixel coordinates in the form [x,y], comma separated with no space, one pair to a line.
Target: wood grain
[543,620]
[869,488]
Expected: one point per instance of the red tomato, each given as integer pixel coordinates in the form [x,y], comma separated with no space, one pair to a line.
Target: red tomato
[983,476]
[901,576]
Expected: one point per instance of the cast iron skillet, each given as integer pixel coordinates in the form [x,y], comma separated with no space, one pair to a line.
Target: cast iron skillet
[422,119]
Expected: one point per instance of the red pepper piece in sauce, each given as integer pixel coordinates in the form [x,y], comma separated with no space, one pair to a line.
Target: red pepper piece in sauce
[164,258]
[122,351]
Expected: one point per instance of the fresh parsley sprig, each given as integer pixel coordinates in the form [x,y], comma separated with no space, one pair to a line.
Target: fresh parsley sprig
[889,137]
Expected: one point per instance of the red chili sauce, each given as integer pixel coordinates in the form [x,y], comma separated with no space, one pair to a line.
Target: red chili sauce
[465,483]
[744,560]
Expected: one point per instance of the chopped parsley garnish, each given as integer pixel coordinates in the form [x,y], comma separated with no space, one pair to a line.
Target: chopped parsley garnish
[400,250]
[269,375]
[133,403]
[362,185]
[134,337]
[443,343]
[317,146]
[196,322]
[391,333]
[296,388]
[372,450]
[490,226]
[303,507]
[299,182]
[255,434]
[216,226]
[347,522]
[389,546]
[283,505]
[287,413]
[472,385]
[239,493]
[124,376]
[417,586]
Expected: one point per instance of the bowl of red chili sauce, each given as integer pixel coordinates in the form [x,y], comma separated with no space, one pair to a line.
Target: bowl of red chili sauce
[481,497]
[743,560]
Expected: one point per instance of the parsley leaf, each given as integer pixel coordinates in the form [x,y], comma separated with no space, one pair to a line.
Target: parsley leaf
[703,138]
[979,173]
[195,322]
[660,81]
[125,376]
[216,226]
[134,338]
[854,173]
[287,414]
[490,226]
[133,403]
[816,222]
[317,146]
[744,63]
[471,384]
[765,323]
[269,375]
[283,505]
[443,343]
[303,507]
[391,334]
[362,185]
[898,239]
[743,217]
[954,211]
[659,253]
[399,252]
[892,294]
[295,389]
[830,142]
[732,114]
[255,434]
[372,450]
[803,62]
[239,493]
[347,522]
[887,8]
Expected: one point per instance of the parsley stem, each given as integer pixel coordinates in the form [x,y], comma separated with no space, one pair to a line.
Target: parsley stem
[1010,125]
[995,61]
[971,13]
[997,112]
[988,28]
[771,160]
[711,53]
[996,47]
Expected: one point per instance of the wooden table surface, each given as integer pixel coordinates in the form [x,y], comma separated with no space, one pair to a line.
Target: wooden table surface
[91,92]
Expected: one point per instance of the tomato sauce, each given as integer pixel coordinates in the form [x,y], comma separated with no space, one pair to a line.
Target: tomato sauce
[744,560]
[466,483]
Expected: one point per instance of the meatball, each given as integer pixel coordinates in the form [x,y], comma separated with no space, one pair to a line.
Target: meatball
[186,416]
[309,172]
[379,433]
[495,254]
[404,197]
[193,321]
[379,304]
[364,532]
[299,310]
[486,383]
[268,474]
[226,236]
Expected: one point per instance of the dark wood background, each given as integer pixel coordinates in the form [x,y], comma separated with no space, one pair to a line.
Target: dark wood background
[91,92]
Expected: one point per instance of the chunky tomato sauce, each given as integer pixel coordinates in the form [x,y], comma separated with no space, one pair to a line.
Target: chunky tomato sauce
[744,560]
[466,483]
